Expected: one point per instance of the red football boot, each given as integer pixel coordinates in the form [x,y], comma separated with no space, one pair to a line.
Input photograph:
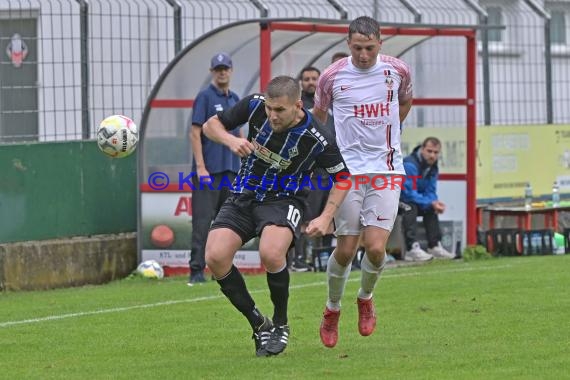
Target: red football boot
[366,316]
[329,327]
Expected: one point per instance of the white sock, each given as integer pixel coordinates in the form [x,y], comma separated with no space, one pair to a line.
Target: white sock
[369,276]
[337,276]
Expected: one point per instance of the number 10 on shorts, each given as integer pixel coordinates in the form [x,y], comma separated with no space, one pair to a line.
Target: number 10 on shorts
[293,215]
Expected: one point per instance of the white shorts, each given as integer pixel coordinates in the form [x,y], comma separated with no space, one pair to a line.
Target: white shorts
[368,205]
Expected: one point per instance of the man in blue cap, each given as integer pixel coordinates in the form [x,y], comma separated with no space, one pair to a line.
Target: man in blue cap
[212,161]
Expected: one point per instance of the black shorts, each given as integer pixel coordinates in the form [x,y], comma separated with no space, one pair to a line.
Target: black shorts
[247,217]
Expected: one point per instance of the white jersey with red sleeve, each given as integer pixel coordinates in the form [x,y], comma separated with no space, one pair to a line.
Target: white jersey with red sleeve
[366,112]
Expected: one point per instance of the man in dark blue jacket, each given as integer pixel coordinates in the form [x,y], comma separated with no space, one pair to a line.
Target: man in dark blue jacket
[211,160]
[420,193]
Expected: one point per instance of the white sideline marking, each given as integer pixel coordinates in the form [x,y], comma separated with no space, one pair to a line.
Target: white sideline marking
[199,299]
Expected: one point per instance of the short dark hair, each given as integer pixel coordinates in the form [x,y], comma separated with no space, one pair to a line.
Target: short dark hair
[284,85]
[338,55]
[308,68]
[431,140]
[364,25]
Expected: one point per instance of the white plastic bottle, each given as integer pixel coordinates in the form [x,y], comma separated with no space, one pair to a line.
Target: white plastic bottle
[555,195]
[528,196]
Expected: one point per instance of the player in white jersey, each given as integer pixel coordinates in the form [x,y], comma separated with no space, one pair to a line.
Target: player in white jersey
[371,94]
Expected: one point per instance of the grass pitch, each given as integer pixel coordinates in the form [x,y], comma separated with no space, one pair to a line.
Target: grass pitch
[495,319]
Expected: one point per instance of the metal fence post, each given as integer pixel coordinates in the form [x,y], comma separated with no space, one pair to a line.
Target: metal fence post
[263,10]
[420,75]
[340,8]
[177,7]
[415,11]
[484,20]
[548,63]
[375,10]
[539,10]
[84,48]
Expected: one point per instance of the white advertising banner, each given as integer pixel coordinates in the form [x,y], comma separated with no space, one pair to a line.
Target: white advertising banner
[166,232]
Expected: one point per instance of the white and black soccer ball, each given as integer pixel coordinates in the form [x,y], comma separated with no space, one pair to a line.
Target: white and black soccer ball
[150,269]
[117,136]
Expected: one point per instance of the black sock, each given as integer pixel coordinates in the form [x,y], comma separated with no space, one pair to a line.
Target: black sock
[233,286]
[279,289]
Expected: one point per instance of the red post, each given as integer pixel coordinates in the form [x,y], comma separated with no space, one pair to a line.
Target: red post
[264,55]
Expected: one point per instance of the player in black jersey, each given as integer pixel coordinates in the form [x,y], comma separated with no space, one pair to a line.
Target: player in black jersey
[283,146]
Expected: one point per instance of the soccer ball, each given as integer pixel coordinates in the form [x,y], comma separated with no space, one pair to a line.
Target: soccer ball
[117,136]
[150,269]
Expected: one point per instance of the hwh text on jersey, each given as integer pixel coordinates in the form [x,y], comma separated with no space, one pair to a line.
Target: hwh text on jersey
[372,110]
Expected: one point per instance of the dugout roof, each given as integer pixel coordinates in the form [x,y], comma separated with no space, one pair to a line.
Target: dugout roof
[303,42]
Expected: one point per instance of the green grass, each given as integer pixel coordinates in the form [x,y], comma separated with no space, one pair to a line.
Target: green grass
[494,319]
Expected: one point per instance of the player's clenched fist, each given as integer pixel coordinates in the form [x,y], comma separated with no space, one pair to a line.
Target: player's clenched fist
[242,147]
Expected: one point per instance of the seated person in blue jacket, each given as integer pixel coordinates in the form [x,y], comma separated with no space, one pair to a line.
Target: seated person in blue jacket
[421,197]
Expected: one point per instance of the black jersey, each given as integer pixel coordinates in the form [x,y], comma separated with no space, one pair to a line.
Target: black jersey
[281,163]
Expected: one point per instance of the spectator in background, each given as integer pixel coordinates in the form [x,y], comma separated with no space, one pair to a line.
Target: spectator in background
[421,196]
[211,160]
[308,78]
[338,55]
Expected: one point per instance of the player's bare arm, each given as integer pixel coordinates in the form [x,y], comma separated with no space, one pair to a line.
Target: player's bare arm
[215,131]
